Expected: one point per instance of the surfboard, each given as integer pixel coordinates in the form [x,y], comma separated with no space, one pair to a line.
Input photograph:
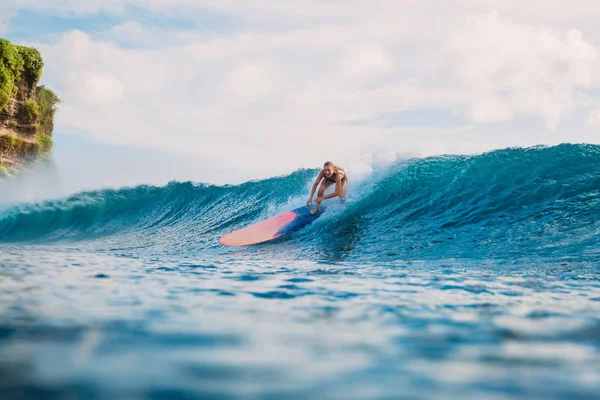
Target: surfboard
[272,228]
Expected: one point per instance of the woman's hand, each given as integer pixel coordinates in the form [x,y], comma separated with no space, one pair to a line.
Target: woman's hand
[309,202]
[319,200]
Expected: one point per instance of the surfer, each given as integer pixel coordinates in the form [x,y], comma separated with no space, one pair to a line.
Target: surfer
[330,174]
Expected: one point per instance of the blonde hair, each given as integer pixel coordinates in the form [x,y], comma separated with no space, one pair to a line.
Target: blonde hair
[329,163]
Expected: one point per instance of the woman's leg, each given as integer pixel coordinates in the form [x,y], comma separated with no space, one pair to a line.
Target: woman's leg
[343,189]
[324,185]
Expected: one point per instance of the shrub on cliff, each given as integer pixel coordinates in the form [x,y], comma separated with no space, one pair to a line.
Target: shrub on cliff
[16,63]
[45,142]
[32,63]
[6,85]
[29,111]
[47,101]
[11,66]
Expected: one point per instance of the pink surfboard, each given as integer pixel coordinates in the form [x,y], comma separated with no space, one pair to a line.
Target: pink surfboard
[271,228]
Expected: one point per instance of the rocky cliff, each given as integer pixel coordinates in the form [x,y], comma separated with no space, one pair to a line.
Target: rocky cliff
[26,110]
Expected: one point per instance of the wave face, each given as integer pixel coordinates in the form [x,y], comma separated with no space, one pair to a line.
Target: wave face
[511,203]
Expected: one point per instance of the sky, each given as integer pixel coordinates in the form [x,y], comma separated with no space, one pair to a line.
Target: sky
[223,91]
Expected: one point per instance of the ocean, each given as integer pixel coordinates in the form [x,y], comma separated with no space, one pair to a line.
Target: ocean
[447,277]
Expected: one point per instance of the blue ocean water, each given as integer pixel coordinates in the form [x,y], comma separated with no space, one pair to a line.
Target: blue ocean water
[444,277]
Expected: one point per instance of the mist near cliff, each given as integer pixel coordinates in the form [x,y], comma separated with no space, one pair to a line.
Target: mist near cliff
[79,164]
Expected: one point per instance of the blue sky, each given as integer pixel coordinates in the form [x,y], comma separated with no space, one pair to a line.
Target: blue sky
[45,26]
[41,26]
[264,88]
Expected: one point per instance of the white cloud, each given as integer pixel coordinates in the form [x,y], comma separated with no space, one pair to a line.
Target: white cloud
[282,92]
[132,31]
[70,7]
[250,81]
[9,10]
[101,87]
[593,118]
[515,69]
[366,61]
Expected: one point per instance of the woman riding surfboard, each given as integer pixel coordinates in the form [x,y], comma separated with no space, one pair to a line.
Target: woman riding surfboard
[330,174]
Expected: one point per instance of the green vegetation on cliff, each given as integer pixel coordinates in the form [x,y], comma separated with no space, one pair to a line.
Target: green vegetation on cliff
[47,101]
[30,111]
[23,148]
[33,64]
[11,65]
[17,63]
[45,142]
[26,110]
